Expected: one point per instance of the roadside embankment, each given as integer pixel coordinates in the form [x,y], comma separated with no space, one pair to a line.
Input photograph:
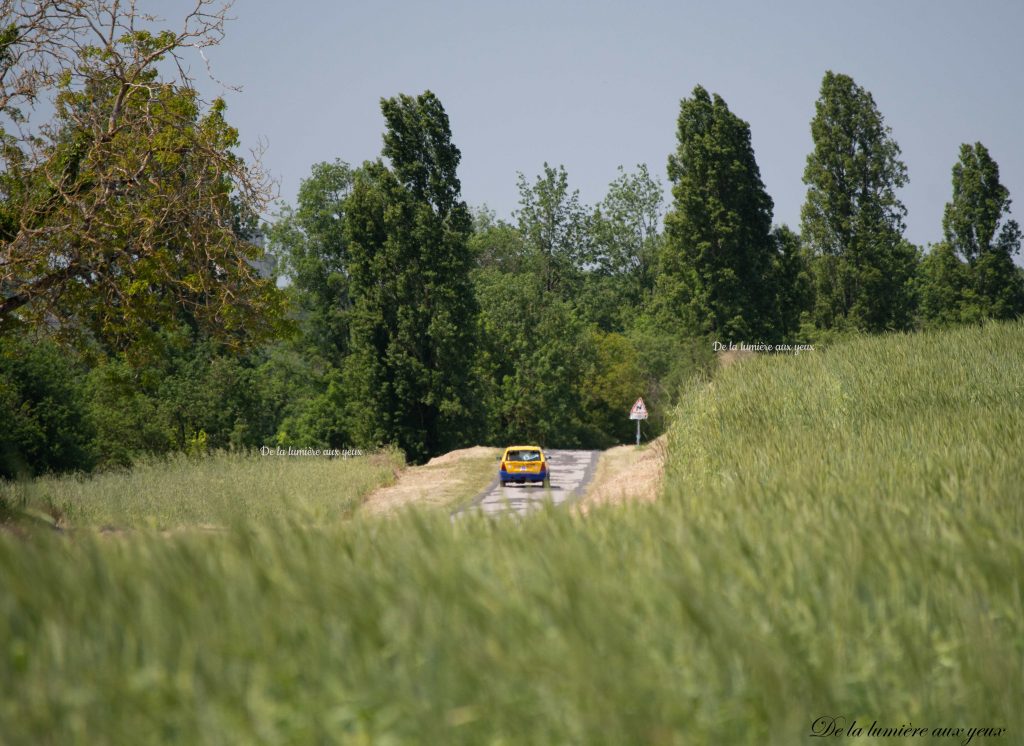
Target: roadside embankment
[627,474]
[445,481]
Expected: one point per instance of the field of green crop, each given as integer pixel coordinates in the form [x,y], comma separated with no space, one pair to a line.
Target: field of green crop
[225,488]
[841,536]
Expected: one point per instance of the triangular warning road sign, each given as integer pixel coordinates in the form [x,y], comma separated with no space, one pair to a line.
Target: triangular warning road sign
[639,411]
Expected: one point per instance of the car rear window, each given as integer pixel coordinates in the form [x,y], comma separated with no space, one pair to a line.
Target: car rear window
[523,455]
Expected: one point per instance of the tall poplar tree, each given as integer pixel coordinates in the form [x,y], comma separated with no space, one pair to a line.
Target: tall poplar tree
[413,314]
[977,229]
[852,219]
[716,263]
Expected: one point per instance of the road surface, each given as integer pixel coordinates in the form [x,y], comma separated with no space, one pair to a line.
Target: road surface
[570,473]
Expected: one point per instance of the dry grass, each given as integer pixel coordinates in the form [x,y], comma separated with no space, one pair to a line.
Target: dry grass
[728,357]
[627,474]
[443,482]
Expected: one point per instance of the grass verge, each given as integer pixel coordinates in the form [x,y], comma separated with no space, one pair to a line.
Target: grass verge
[181,492]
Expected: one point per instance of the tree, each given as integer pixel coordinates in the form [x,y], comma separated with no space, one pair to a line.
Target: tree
[613,381]
[413,316]
[128,419]
[852,220]
[669,361]
[496,244]
[553,225]
[194,395]
[625,238]
[979,232]
[790,280]
[45,424]
[715,265]
[534,356]
[122,213]
[532,345]
[309,242]
[944,283]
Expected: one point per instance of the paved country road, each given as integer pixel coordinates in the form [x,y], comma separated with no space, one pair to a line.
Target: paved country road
[570,473]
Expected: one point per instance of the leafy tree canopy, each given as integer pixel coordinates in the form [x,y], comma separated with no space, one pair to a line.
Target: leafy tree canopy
[122,212]
[554,226]
[309,243]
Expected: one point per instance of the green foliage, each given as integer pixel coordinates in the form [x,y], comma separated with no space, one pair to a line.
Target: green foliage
[971,276]
[716,262]
[309,243]
[669,363]
[790,277]
[8,37]
[999,282]
[65,416]
[852,220]
[227,409]
[945,288]
[128,419]
[563,371]
[197,392]
[625,240]
[315,414]
[497,245]
[613,381]
[123,217]
[127,228]
[534,355]
[980,202]
[554,227]
[412,342]
[45,426]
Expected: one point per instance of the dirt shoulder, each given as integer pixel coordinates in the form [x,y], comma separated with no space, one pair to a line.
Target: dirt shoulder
[626,474]
[446,481]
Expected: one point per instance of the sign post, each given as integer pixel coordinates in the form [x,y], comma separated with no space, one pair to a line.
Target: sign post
[638,412]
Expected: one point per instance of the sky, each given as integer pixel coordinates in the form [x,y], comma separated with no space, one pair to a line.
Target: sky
[595,85]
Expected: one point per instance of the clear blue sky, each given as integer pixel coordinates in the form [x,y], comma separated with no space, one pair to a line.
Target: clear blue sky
[593,85]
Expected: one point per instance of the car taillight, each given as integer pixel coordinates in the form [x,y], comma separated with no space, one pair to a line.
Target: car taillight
[503,466]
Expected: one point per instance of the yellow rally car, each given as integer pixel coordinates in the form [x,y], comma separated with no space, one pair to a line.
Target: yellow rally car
[524,464]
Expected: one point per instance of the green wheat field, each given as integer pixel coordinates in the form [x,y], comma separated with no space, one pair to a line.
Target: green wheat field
[840,536]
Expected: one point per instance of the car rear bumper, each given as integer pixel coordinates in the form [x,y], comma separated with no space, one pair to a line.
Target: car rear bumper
[521,476]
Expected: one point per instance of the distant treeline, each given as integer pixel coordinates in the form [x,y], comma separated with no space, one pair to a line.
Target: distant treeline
[133,320]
